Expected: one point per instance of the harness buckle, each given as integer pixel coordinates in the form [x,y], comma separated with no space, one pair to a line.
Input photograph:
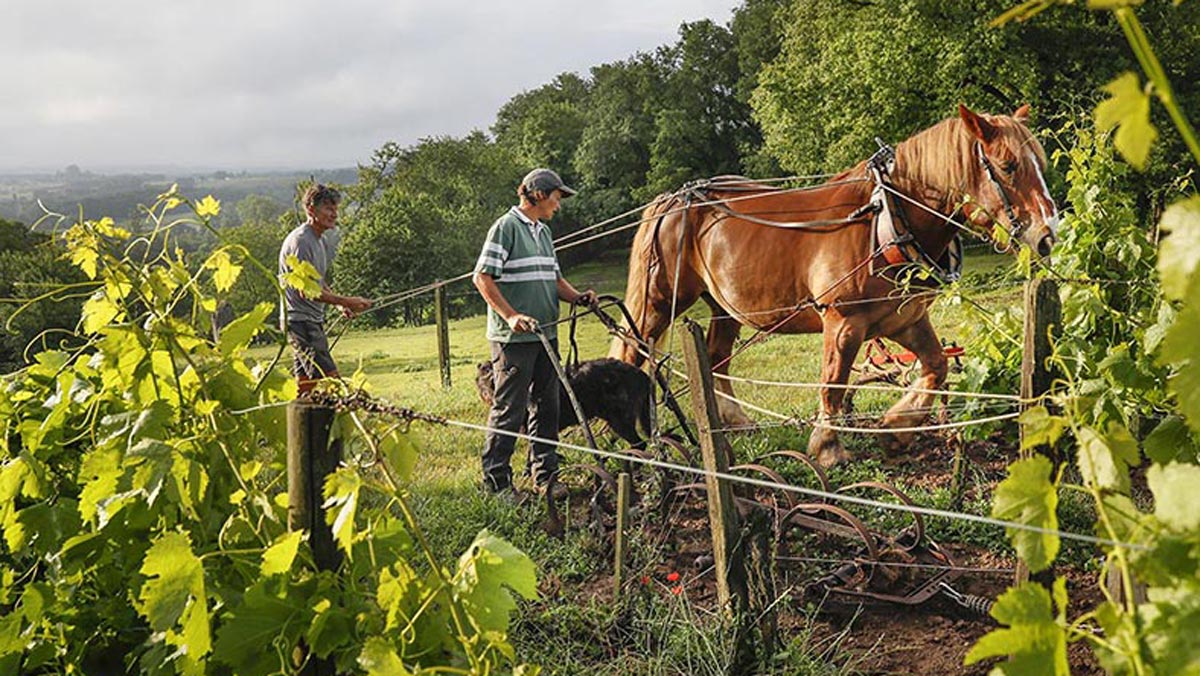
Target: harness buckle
[884,159]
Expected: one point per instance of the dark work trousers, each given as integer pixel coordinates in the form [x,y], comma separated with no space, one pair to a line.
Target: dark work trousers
[526,389]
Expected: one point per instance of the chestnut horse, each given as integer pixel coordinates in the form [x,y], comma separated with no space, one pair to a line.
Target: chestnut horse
[830,258]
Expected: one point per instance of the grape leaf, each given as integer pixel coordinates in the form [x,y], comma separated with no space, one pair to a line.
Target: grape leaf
[174,594]
[175,577]
[303,277]
[1039,428]
[379,658]
[85,257]
[1174,487]
[279,556]
[238,333]
[341,493]
[1170,631]
[208,207]
[1169,441]
[331,628]
[486,572]
[1028,496]
[270,613]
[98,312]
[1179,252]
[1104,460]
[108,227]
[399,451]
[41,527]
[1128,109]
[225,271]
[1033,637]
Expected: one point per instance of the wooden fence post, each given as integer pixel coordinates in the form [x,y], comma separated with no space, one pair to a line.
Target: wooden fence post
[1043,321]
[311,457]
[753,617]
[722,513]
[443,332]
[624,488]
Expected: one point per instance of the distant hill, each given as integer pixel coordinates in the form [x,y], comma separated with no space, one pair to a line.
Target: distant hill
[119,195]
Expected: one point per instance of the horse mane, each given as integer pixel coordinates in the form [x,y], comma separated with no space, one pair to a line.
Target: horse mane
[943,156]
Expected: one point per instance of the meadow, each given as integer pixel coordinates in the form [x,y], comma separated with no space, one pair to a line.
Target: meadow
[400,365]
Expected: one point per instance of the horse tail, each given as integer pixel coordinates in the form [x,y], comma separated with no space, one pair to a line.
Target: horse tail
[643,263]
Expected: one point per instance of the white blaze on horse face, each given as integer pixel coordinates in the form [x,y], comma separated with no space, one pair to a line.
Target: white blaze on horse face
[1046,207]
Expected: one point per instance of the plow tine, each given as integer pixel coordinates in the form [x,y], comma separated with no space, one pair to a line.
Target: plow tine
[771,474]
[680,448]
[919,534]
[803,459]
[804,515]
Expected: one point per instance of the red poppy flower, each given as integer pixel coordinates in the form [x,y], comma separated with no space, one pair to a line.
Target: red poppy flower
[645,579]
[677,589]
[673,577]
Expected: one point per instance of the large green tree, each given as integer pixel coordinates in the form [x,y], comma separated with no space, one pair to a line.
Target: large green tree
[542,127]
[850,71]
[702,126]
[420,213]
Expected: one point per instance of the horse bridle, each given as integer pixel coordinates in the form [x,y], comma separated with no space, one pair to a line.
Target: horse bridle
[1015,225]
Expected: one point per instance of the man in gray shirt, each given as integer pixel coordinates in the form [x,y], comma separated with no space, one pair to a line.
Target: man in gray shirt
[304,318]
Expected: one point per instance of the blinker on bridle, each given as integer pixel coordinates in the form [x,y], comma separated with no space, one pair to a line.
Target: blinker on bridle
[1016,227]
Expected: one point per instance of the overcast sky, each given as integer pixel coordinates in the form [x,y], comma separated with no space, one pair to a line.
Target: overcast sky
[128,84]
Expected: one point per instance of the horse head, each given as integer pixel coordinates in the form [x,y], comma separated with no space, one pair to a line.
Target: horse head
[1007,189]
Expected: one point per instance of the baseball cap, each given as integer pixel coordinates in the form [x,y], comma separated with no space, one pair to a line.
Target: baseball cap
[545,181]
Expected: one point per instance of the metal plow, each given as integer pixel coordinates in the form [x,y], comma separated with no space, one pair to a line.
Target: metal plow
[902,568]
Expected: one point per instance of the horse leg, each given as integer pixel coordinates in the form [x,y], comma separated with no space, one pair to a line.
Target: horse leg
[913,407]
[842,338]
[722,332]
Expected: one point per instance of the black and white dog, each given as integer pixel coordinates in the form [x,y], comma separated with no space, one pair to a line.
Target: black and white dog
[608,389]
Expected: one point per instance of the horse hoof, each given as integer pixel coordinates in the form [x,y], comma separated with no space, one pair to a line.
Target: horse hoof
[824,447]
[896,442]
[828,457]
[731,413]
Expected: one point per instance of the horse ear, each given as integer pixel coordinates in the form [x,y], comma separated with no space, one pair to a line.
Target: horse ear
[1022,114]
[979,127]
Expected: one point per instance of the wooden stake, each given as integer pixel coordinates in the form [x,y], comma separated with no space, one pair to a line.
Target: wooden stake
[1043,322]
[624,488]
[443,333]
[312,457]
[722,513]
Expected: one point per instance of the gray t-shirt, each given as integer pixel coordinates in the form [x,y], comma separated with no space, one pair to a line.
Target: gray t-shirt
[303,243]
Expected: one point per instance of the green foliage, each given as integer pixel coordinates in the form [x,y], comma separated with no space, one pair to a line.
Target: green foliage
[702,126]
[1029,496]
[422,214]
[34,298]
[254,209]
[1126,357]
[1034,633]
[143,511]
[848,72]
[542,127]
[1128,109]
[484,570]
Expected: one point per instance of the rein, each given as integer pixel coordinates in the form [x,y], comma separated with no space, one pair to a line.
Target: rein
[894,244]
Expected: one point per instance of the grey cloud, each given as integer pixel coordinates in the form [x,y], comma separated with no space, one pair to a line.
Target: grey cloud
[255,83]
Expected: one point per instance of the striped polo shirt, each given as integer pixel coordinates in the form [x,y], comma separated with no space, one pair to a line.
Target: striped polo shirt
[519,255]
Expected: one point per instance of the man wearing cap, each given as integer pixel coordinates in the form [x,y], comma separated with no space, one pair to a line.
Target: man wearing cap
[518,275]
[303,318]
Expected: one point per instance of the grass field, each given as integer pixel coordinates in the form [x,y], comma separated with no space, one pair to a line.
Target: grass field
[401,365]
